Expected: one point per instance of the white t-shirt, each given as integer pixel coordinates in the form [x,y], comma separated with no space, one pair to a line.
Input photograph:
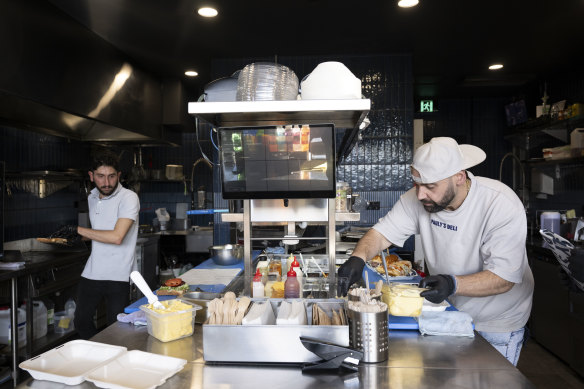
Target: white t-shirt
[110,261]
[487,232]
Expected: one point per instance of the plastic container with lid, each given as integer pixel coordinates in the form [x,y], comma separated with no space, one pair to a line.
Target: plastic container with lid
[291,287]
[39,319]
[550,221]
[63,322]
[274,270]
[5,326]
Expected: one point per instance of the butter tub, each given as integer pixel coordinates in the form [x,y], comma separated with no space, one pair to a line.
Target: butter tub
[176,322]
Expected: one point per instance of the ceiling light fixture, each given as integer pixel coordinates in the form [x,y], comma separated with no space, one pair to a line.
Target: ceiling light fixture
[496,66]
[191,73]
[407,3]
[208,12]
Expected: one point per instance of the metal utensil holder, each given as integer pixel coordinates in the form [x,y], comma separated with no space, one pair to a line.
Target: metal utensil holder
[368,333]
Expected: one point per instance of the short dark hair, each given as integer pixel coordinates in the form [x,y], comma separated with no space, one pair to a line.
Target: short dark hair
[105,158]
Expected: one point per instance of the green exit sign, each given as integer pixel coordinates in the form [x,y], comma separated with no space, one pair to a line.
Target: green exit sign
[426,105]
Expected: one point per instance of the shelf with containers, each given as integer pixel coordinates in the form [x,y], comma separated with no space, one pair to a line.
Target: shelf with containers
[345,116]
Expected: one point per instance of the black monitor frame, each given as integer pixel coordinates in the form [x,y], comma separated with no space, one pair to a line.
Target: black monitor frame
[298,189]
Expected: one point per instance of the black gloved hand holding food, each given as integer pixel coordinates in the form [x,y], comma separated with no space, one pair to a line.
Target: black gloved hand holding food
[440,287]
[68,232]
[349,273]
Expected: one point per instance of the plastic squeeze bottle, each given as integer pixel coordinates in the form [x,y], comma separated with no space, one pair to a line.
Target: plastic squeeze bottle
[291,287]
[257,285]
[296,267]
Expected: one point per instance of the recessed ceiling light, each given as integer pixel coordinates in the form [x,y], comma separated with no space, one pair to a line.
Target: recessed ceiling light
[207,12]
[191,73]
[496,66]
[407,3]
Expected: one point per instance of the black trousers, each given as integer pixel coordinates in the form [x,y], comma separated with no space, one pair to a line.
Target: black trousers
[90,293]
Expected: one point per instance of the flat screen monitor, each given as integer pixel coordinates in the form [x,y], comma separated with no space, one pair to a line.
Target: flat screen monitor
[278,162]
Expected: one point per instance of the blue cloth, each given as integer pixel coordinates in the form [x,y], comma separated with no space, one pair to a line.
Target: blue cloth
[448,323]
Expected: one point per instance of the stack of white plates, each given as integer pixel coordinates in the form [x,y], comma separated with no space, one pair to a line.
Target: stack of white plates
[266,81]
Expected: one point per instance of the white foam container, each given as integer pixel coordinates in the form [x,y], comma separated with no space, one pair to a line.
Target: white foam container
[70,362]
[136,370]
[105,365]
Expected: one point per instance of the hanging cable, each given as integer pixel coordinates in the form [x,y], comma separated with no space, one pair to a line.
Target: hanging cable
[212,141]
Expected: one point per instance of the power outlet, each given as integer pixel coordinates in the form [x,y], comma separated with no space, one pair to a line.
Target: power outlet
[373,205]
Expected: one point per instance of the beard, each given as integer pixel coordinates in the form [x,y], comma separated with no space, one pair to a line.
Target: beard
[107,190]
[433,207]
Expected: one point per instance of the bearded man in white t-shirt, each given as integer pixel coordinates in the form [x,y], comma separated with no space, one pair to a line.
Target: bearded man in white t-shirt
[113,212]
[473,232]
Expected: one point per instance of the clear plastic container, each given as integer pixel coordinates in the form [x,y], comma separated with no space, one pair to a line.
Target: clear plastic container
[63,322]
[176,322]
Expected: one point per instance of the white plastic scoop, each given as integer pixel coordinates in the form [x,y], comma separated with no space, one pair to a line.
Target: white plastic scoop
[145,289]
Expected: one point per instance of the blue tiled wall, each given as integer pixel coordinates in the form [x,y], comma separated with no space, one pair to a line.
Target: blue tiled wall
[27,215]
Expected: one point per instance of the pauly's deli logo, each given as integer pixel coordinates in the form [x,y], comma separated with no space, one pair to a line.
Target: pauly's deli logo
[444,225]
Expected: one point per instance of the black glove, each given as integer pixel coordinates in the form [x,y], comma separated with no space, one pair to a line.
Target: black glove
[349,273]
[68,232]
[441,286]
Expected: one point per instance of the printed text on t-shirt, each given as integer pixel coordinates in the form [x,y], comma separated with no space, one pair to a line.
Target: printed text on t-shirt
[444,225]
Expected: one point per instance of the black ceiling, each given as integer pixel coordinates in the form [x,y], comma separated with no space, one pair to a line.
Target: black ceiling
[452,42]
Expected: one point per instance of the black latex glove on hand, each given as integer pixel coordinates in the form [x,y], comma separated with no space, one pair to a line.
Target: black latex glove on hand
[441,286]
[68,232]
[349,273]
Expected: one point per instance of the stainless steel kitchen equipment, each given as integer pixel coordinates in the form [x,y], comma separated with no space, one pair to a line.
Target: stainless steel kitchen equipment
[346,117]
[226,255]
[272,343]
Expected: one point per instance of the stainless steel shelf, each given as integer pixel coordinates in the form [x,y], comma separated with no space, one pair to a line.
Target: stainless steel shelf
[342,113]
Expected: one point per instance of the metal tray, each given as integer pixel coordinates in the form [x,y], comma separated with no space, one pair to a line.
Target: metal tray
[272,343]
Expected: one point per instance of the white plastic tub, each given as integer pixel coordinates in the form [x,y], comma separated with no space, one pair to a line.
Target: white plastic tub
[70,362]
[136,370]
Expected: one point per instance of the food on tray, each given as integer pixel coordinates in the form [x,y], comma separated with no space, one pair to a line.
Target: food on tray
[395,266]
[175,321]
[403,299]
[53,240]
[321,318]
[173,287]
[228,310]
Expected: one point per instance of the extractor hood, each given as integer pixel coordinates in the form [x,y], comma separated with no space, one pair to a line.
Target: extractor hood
[59,78]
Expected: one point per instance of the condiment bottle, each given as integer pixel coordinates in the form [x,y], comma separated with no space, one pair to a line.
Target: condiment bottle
[296,267]
[291,287]
[257,285]
[275,270]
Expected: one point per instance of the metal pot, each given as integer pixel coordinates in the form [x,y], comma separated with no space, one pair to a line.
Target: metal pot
[226,255]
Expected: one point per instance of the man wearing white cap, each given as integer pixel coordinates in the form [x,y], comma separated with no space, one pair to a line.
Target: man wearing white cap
[473,232]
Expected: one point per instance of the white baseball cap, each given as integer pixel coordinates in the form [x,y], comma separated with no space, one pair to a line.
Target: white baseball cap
[443,157]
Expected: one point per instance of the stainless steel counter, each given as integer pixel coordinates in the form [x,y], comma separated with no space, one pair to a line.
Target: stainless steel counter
[415,361]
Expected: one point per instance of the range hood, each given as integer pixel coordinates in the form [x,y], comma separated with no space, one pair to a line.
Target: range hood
[59,78]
